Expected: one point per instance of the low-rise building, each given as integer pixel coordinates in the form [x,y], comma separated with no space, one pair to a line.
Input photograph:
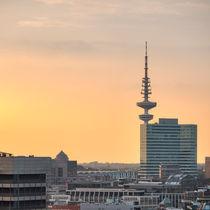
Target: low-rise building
[180,183]
[149,187]
[121,206]
[125,203]
[101,195]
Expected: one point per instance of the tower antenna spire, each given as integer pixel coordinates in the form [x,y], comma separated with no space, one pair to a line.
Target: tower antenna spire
[146,61]
[146,48]
[146,91]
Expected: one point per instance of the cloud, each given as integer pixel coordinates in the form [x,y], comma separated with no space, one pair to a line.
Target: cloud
[44,22]
[60,47]
[51,1]
[72,45]
[195,4]
[120,7]
[117,7]
[31,23]
[102,24]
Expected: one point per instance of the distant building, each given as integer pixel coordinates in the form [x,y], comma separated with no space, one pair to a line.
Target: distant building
[166,170]
[148,203]
[85,183]
[101,195]
[21,187]
[110,175]
[204,198]
[166,142]
[197,199]
[63,168]
[147,187]
[180,183]
[207,167]
[130,203]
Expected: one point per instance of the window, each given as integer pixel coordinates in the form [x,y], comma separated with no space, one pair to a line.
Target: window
[60,172]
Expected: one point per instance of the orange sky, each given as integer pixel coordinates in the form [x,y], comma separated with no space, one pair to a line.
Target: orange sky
[70,74]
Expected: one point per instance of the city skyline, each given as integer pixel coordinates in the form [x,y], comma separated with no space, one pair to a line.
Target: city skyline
[70,74]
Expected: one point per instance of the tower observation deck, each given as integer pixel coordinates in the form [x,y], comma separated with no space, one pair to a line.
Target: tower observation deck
[146,91]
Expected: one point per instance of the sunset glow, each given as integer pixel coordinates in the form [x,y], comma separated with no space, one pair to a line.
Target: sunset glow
[70,74]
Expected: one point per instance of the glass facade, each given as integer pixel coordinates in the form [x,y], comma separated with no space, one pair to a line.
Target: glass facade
[168,143]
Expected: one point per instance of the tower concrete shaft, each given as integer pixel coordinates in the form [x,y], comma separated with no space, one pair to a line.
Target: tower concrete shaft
[146,91]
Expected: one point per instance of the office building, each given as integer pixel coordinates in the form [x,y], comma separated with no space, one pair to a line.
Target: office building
[166,142]
[21,187]
[207,167]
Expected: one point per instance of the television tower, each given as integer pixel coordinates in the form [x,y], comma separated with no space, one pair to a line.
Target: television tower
[146,91]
